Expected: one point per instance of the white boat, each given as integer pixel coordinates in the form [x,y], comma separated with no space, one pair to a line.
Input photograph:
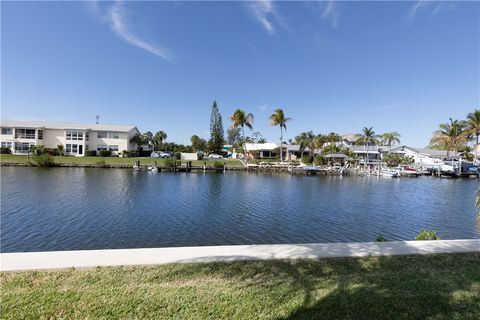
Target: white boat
[136,168]
[390,173]
[154,169]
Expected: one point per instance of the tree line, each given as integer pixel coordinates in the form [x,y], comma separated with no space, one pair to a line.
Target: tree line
[451,136]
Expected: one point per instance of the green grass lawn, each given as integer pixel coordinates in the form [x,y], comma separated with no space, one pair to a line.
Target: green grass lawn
[403,287]
[9,158]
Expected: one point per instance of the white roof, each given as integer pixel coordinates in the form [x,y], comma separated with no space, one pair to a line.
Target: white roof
[260,146]
[66,125]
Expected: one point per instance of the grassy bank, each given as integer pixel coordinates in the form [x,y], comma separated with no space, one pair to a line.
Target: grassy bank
[10,158]
[408,287]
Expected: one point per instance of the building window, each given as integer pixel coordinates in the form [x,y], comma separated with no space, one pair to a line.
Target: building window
[22,147]
[102,135]
[7,131]
[71,149]
[25,133]
[102,147]
[86,136]
[113,148]
[74,135]
[114,135]
[40,134]
[6,144]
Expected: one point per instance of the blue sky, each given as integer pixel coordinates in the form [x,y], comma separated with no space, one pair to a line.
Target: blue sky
[332,66]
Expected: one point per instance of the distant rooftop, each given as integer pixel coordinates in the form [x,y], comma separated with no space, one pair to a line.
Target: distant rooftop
[65,125]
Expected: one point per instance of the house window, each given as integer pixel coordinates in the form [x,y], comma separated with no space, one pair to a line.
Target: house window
[40,134]
[102,135]
[22,147]
[74,135]
[102,147]
[86,136]
[6,144]
[114,135]
[71,149]
[113,148]
[7,131]
[25,133]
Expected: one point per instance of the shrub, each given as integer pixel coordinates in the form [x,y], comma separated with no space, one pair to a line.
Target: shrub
[218,164]
[178,155]
[200,155]
[101,163]
[105,153]
[427,235]
[60,150]
[91,153]
[44,160]
[169,162]
[5,151]
[307,159]
[124,154]
[319,160]
[381,238]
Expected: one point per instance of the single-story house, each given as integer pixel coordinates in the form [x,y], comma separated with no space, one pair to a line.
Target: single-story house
[261,150]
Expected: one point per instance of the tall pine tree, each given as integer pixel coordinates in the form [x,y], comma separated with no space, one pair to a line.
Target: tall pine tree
[217,139]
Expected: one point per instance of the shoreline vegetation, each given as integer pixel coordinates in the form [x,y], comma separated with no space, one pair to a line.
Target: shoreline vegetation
[438,286]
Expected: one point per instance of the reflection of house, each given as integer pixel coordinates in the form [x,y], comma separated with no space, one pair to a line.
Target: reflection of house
[426,157]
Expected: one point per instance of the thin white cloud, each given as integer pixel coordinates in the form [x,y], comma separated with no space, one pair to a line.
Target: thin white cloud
[330,12]
[117,17]
[264,12]
[432,7]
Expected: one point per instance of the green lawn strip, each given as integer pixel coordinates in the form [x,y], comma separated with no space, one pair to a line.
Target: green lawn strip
[8,158]
[402,287]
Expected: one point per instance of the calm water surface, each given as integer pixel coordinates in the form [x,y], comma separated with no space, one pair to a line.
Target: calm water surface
[73,208]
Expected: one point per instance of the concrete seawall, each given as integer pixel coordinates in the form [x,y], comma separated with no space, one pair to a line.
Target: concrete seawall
[20,261]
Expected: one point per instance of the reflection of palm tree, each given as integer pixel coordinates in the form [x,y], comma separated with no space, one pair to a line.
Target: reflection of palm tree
[390,139]
[241,119]
[450,136]
[472,128]
[367,138]
[278,119]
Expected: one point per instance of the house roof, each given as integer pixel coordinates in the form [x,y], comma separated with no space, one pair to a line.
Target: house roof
[260,146]
[65,125]
[294,148]
[350,137]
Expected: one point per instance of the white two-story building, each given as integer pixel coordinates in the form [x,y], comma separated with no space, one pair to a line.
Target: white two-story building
[76,138]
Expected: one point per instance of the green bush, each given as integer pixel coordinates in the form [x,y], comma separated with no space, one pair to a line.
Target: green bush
[169,162]
[61,150]
[217,164]
[5,151]
[319,160]
[178,155]
[307,159]
[44,160]
[101,163]
[91,153]
[105,153]
[381,238]
[200,155]
[427,235]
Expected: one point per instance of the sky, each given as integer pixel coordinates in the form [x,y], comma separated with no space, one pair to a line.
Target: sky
[332,66]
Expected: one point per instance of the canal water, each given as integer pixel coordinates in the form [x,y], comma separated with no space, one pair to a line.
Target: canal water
[73,208]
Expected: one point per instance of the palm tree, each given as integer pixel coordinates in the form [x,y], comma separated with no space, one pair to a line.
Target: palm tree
[159,137]
[278,119]
[333,137]
[306,140]
[390,139]
[367,138]
[138,139]
[472,128]
[241,119]
[450,136]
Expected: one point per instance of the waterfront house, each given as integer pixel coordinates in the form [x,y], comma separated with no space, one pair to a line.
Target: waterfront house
[293,152]
[261,150]
[76,138]
[426,158]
